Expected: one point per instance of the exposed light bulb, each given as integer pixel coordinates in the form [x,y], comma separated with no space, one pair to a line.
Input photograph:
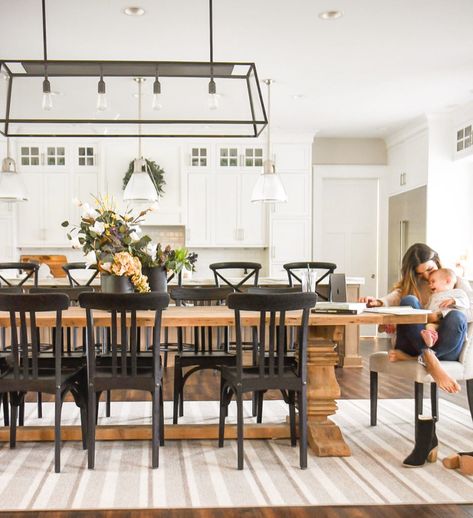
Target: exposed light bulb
[47,102]
[101,96]
[156,103]
[213,97]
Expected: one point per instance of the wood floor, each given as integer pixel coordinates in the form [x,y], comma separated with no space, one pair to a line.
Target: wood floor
[354,384]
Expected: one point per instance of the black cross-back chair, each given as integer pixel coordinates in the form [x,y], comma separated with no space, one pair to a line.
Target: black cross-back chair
[70,268]
[293,269]
[29,269]
[126,367]
[270,370]
[3,338]
[205,353]
[251,273]
[28,370]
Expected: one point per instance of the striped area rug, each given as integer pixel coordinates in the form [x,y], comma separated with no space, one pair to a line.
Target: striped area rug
[198,474]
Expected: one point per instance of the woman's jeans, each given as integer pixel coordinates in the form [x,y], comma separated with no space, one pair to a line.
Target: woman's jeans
[452,332]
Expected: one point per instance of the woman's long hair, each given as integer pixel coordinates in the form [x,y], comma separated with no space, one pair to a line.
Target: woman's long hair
[416,254]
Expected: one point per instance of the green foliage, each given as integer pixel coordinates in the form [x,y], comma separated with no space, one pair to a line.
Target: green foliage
[172,260]
[156,174]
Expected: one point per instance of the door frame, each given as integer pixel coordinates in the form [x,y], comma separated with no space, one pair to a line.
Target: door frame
[322,172]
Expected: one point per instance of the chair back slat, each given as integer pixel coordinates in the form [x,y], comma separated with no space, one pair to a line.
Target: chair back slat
[281,350]
[14,344]
[114,333]
[253,270]
[272,348]
[124,341]
[35,347]
[24,344]
[261,342]
[133,343]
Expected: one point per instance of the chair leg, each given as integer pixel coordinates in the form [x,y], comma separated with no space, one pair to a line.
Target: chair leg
[57,432]
[108,403]
[303,427]
[166,344]
[14,410]
[373,398]
[419,397]
[177,388]
[434,401]
[21,418]
[469,391]
[239,402]
[161,416]
[292,417]
[83,426]
[222,415]
[156,426]
[6,410]
[259,410]
[40,405]
[91,429]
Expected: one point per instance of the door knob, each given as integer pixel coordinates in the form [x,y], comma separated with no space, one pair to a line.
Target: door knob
[373,276]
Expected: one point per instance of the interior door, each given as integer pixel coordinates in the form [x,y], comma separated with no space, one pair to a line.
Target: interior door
[350,230]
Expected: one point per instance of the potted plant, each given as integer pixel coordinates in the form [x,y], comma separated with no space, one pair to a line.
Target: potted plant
[111,241]
[158,262]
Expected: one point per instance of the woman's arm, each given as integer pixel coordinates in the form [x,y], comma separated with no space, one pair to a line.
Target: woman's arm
[391,299]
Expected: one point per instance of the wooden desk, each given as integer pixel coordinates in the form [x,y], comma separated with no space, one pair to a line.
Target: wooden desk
[325,437]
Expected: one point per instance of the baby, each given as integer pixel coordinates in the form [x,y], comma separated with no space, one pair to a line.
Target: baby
[445,298]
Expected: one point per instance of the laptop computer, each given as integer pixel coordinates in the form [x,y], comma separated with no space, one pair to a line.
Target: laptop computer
[338,287]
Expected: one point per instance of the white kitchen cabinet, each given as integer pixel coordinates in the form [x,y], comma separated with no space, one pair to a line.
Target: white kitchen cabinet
[408,164]
[48,205]
[199,206]
[199,157]
[238,221]
[84,188]
[290,241]
[297,186]
[292,157]
[7,231]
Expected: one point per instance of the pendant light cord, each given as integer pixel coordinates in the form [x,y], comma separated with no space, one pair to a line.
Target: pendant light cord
[268,143]
[139,116]
[211,40]
[45,44]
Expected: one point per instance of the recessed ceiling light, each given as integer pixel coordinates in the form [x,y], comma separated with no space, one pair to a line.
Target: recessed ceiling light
[331,15]
[134,11]
[298,97]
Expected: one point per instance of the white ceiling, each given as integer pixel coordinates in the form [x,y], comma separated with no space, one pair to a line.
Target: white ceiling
[384,63]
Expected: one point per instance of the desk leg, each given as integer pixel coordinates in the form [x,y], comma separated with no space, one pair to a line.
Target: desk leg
[325,438]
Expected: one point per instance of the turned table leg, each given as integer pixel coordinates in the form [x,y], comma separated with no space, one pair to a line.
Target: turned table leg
[324,436]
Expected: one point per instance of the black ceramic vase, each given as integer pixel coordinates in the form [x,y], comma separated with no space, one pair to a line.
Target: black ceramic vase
[115,284]
[157,278]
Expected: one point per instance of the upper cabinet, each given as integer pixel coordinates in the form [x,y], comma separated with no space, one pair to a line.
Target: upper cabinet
[408,163]
[54,173]
[219,182]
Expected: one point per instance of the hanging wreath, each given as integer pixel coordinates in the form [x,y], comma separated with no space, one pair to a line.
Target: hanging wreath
[156,174]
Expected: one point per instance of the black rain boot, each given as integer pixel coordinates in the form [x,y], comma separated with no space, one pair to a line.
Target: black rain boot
[426,445]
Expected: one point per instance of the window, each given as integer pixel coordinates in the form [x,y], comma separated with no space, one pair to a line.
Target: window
[56,156]
[253,157]
[86,156]
[228,157]
[464,138]
[29,155]
[199,157]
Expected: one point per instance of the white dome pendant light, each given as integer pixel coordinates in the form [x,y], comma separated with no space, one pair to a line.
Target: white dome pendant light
[140,186]
[11,185]
[269,188]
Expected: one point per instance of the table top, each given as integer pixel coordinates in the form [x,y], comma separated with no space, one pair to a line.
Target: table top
[215,316]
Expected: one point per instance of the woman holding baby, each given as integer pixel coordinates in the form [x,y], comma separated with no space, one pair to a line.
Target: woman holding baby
[450,316]
[425,284]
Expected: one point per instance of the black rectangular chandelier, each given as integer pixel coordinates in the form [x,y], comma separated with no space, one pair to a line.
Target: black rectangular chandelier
[59,98]
[176,99]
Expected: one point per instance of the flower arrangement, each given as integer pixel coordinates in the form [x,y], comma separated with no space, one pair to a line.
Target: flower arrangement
[175,260]
[111,240]
[114,243]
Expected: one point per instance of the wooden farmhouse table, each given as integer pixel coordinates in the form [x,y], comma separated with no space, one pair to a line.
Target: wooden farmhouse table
[325,330]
